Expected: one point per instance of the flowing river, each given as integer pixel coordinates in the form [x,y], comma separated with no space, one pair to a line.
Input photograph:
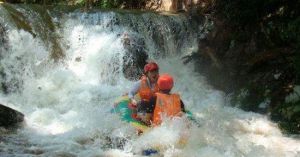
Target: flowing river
[65,70]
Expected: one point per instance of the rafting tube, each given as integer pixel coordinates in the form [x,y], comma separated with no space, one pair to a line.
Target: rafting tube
[126,113]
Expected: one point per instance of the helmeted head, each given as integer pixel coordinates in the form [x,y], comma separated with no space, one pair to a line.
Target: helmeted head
[165,82]
[151,66]
[151,71]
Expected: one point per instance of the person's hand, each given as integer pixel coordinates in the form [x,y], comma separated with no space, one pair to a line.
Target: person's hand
[133,102]
[145,118]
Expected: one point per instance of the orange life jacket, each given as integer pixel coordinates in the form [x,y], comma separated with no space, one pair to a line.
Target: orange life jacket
[145,90]
[168,105]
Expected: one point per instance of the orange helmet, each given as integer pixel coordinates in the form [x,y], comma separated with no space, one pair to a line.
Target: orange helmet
[165,82]
[150,67]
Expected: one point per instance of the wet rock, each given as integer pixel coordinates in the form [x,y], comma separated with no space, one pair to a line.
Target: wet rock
[9,117]
[135,57]
[4,47]
[34,151]
[64,154]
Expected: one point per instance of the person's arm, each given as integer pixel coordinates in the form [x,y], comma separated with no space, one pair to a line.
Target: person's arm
[134,90]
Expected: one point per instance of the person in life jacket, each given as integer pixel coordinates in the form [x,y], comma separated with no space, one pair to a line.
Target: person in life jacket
[146,87]
[165,103]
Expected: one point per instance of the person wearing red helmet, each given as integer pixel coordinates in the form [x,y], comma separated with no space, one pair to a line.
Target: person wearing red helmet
[164,102]
[145,88]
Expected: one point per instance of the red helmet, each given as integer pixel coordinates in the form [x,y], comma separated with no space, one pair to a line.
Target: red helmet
[165,82]
[150,67]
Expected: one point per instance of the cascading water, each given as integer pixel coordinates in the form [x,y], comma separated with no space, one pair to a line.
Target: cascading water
[67,102]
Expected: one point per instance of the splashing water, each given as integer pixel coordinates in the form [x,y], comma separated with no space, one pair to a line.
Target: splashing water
[66,104]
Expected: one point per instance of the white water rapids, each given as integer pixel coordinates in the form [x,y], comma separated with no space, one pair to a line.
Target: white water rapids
[67,104]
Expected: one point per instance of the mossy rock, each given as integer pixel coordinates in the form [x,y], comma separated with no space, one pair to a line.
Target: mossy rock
[288,115]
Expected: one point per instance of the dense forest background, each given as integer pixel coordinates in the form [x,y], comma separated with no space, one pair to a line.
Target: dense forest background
[251,53]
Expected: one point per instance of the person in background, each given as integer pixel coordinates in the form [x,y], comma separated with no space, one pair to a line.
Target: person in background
[145,88]
[164,103]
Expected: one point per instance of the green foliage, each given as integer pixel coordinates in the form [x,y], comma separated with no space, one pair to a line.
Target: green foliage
[129,4]
[239,12]
[277,20]
[106,4]
[284,32]
[272,23]
[80,2]
[250,98]
[110,3]
[293,36]
[288,116]
[297,64]
[290,31]
[250,12]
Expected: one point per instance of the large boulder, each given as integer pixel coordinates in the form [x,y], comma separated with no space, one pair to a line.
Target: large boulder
[9,117]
